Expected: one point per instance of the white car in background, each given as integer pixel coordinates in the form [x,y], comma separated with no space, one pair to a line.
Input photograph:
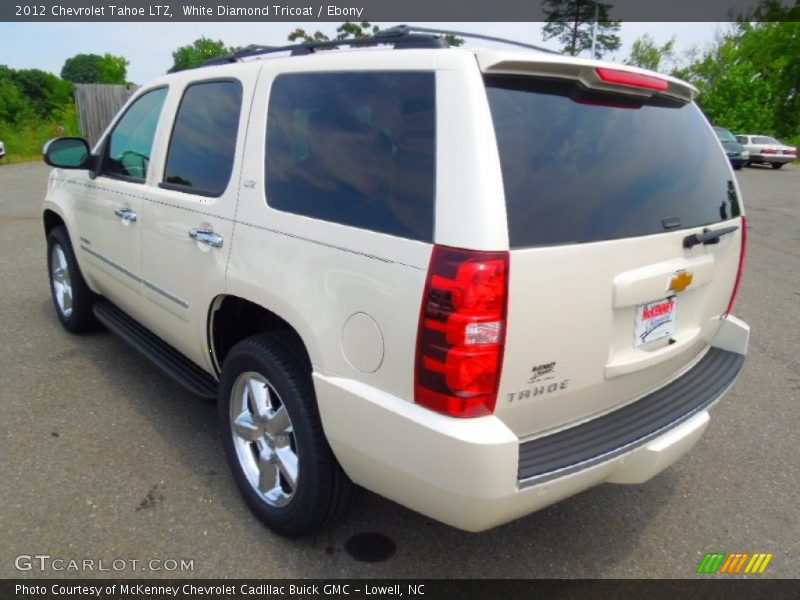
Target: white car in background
[2,150]
[767,150]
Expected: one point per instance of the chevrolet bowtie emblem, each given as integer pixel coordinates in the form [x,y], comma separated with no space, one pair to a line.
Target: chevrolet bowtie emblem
[680,281]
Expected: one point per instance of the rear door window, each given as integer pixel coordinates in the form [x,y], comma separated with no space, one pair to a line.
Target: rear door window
[356,148]
[578,168]
[762,139]
[203,144]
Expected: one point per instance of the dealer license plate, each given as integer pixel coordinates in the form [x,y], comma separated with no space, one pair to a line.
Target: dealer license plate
[654,321]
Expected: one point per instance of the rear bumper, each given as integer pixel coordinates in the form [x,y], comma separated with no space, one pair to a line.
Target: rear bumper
[772,158]
[470,473]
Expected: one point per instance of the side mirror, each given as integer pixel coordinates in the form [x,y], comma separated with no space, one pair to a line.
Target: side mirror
[67,153]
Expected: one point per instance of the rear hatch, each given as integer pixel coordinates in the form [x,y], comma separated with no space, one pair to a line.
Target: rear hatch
[604,181]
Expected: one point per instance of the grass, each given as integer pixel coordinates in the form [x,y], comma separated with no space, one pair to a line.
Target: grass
[24,141]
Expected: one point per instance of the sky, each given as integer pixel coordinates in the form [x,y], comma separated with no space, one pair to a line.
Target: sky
[149,46]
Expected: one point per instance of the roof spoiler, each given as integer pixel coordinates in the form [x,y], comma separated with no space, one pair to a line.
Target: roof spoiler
[592,74]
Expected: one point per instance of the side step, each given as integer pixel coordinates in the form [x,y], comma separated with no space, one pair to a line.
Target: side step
[165,357]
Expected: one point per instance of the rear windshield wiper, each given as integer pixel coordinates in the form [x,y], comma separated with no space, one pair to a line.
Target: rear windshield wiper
[708,236]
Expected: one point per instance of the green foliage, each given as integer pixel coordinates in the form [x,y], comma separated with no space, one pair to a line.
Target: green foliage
[196,53]
[82,68]
[571,22]
[34,107]
[31,92]
[93,68]
[749,79]
[645,53]
[349,29]
[113,69]
[24,139]
[12,102]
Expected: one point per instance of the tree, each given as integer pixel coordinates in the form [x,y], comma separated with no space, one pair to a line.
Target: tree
[12,102]
[645,53]
[196,53]
[571,22]
[93,68]
[113,69]
[749,79]
[350,29]
[44,93]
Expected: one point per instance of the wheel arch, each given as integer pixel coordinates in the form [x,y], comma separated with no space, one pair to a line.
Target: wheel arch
[232,318]
[51,219]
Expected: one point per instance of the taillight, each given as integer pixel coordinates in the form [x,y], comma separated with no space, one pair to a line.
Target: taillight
[792,151]
[629,79]
[769,151]
[462,330]
[738,281]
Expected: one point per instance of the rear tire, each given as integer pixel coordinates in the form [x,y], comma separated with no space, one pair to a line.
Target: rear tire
[777,165]
[737,167]
[72,297]
[274,442]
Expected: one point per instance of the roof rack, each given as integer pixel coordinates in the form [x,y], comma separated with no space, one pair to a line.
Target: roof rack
[478,36]
[400,37]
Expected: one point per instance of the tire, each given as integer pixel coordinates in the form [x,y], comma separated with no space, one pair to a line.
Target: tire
[71,296]
[737,167]
[274,442]
[777,165]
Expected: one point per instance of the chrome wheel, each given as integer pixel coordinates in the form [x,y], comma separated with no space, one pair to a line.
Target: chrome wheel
[62,284]
[263,437]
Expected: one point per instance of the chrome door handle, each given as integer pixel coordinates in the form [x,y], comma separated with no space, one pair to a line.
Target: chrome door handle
[126,214]
[205,236]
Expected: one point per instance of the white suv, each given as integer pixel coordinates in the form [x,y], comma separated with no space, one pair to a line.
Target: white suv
[459,278]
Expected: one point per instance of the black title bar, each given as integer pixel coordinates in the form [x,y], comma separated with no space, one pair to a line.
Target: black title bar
[357,10]
[429,589]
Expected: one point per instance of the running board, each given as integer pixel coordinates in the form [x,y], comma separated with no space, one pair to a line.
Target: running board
[164,356]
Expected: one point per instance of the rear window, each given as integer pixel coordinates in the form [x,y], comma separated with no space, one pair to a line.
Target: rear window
[579,167]
[762,139]
[355,148]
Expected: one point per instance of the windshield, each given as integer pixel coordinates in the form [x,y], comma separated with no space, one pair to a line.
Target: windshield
[578,167]
[724,135]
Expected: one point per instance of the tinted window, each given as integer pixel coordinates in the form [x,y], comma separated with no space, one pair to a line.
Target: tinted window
[355,148]
[578,167]
[762,139]
[741,139]
[130,144]
[203,144]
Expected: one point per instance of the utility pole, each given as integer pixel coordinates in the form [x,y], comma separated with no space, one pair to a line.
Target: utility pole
[594,29]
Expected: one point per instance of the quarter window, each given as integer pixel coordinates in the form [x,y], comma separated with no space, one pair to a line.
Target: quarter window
[355,148]
[203,144]
[131,142]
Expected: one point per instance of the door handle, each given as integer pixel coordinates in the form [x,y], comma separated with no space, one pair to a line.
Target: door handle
[206,236]
[126,214]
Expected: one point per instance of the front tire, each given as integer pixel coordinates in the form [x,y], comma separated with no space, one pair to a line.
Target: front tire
[72,297]
[777,165]
[274,442]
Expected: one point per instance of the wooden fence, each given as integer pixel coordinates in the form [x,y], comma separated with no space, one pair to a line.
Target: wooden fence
[97,105]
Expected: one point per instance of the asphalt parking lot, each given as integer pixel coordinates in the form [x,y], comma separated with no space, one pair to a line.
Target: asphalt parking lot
[103,457]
